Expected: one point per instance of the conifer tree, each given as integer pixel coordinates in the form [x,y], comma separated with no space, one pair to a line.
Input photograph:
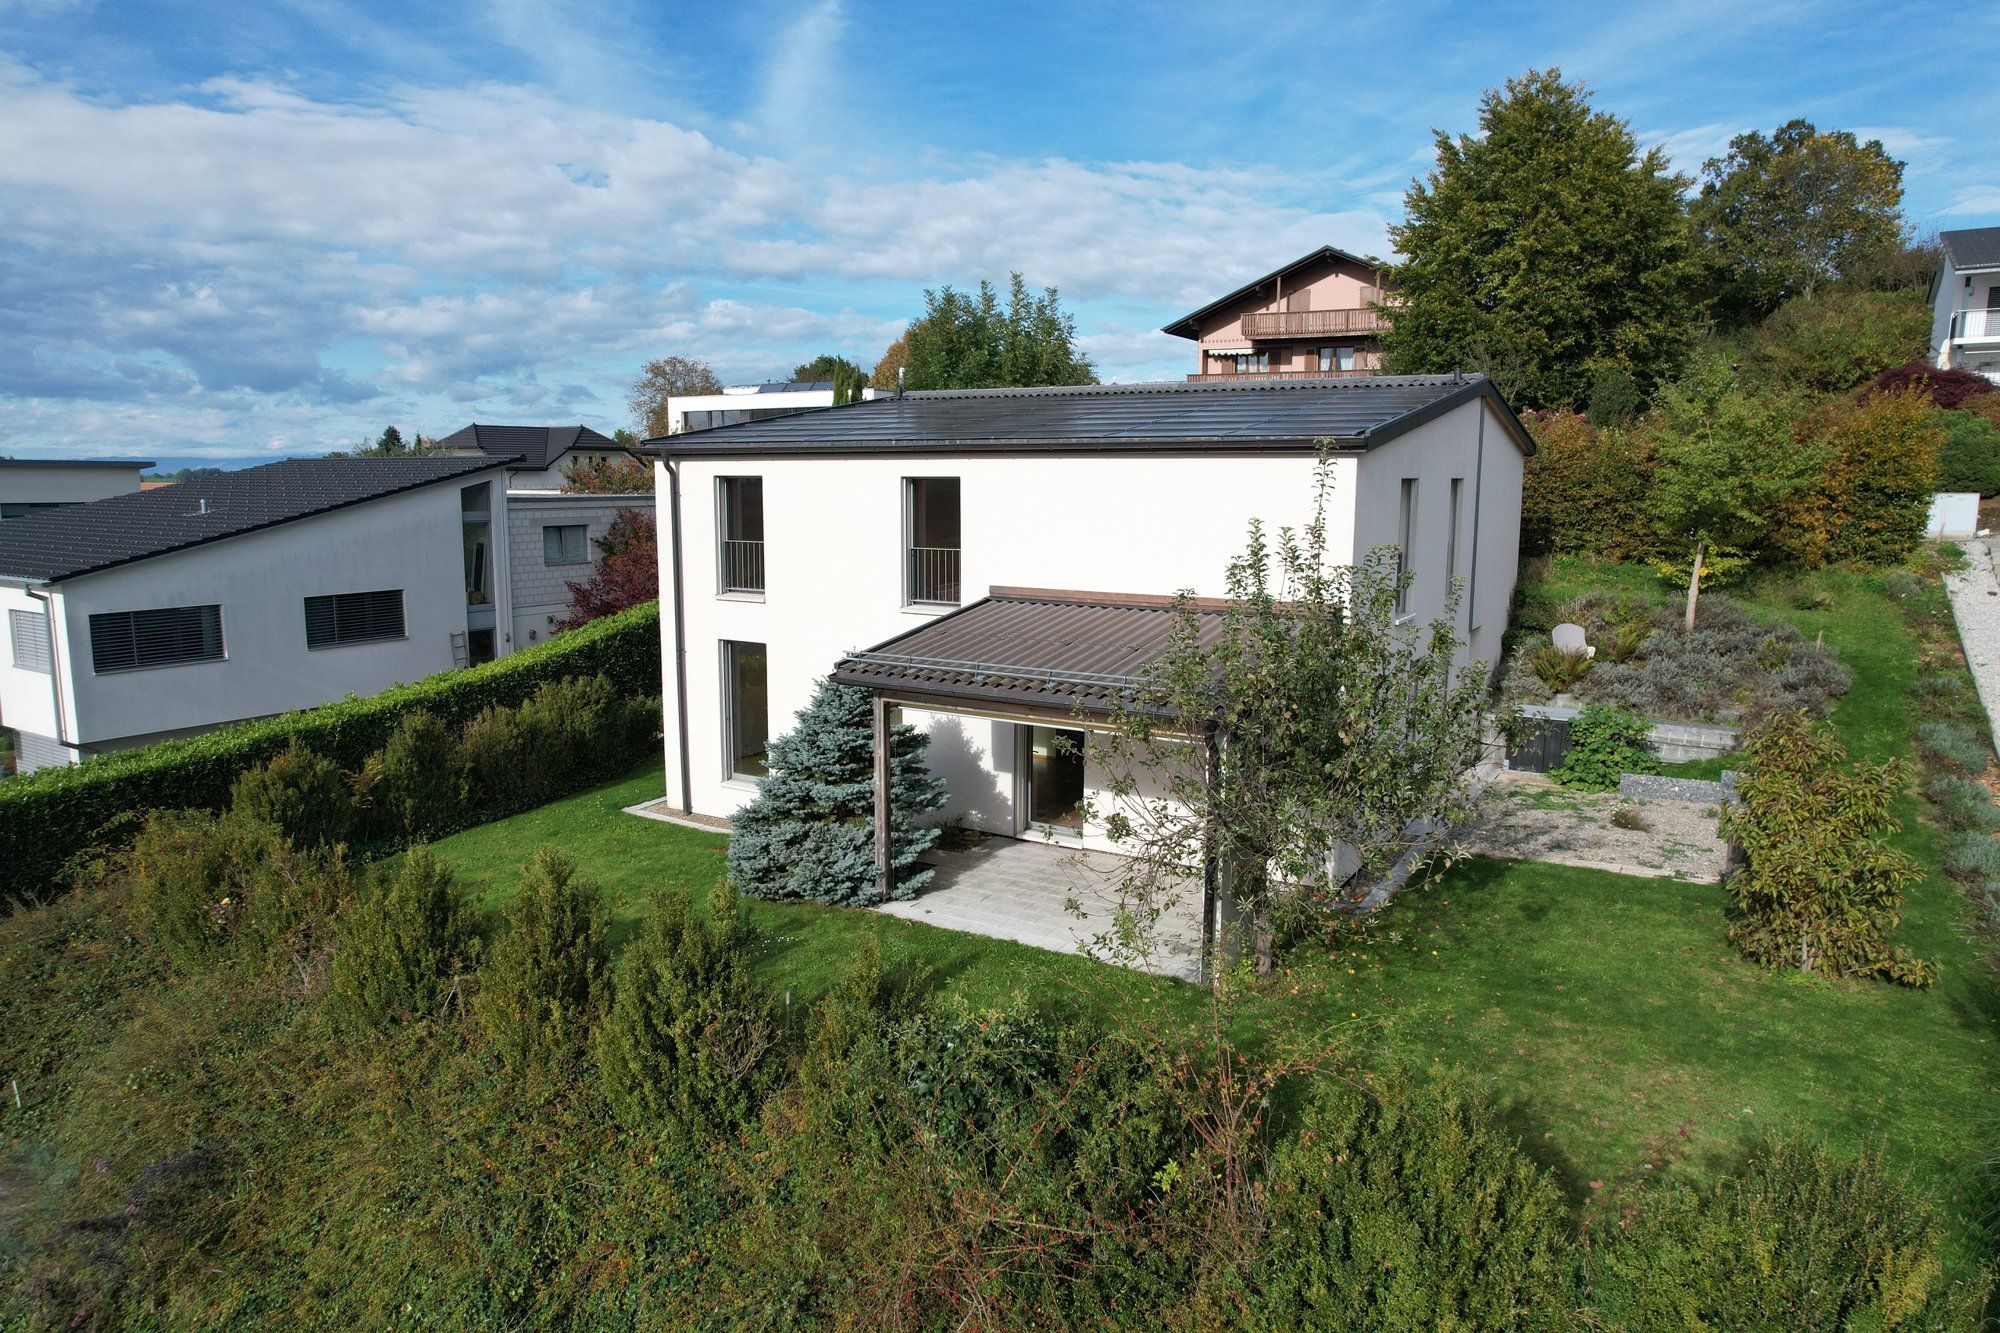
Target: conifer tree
[540,994]
[810,832]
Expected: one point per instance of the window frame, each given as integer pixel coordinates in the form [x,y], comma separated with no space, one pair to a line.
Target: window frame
[909,548]
[1406,539]
[334,600]
[725,488]
[103,618]
[732,652]
[559,529]
[1457,495]
[39,620]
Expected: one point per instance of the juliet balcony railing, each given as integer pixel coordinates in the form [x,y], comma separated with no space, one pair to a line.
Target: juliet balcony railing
[1311,323]
[933,574]
[1976,325]
[742,566]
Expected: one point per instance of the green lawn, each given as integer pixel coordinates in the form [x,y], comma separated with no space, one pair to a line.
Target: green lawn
[1609,1015]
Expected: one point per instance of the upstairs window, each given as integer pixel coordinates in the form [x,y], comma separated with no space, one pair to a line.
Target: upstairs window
[29,631]
[739,504]
[931,534]
[354,617]
[166,636]
[565,544]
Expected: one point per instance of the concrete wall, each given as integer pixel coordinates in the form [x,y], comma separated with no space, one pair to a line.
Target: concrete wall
[25,481]
[539,591]
[260,580]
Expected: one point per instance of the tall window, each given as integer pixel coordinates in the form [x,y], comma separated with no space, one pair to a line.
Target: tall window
[1250,363]
[746,714]
[1336,358]
[739,504]
[1451,534]
[1406,540]
[168,636]
[342,618]
[476,525]
[565,543]
[30,632]
[931,534]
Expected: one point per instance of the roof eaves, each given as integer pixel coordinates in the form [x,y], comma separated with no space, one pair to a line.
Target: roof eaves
[1324,251]
[1476,386]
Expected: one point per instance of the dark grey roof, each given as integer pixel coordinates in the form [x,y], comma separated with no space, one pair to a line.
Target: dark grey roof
[1063,650]
[1976,247]
[536,447]
[796,386]
[1358,413]
[56,544]
[76,462]
[1184,326]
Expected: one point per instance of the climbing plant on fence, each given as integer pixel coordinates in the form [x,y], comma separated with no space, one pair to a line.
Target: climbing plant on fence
[48,816]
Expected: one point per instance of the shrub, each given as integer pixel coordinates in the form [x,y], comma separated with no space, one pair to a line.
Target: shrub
[1624,640]
[417,784]
[206,885]
[1835,340]
[567,733]
[1802,1239]
[1584,489]
[1955,746]
[1606,743]
[402,945]
[1871,500]
[1945,388]
[46,815]
[301,794]
[810,832]
[1969,453]
[1559,668]
[1408,1209]
[540,992]
[1973,858]
[1821,888]
[686,1047]
[1961,803]
[1631,817]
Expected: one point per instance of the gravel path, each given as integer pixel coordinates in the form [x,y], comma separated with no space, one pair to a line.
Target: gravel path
[1975,604]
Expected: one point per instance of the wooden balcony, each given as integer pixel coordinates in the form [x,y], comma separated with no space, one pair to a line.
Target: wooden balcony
[1311,323]
[1286,374]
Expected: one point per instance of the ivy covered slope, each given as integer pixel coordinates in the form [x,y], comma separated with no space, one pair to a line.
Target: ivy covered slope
[46,817]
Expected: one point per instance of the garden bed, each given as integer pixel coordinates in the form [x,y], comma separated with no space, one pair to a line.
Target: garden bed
[1528,818]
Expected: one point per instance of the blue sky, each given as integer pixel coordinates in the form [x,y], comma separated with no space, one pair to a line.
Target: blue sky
[230,232]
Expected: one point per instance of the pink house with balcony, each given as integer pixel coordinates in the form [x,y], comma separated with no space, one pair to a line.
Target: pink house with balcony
[1317,316]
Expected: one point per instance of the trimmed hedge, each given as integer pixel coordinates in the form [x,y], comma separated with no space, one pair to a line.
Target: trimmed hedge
[49,816]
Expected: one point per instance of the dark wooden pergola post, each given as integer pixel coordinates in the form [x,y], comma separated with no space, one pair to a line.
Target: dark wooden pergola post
[885,864]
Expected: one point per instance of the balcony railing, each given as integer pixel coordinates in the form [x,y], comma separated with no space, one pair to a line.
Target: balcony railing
[742,566]
[1976,325]
[934,574]
[1311,323]
[1286,374]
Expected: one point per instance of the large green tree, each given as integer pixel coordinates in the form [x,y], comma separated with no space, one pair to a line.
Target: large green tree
[967,340]
[1544,251]
[1782,215]
[826,366]
[663,378]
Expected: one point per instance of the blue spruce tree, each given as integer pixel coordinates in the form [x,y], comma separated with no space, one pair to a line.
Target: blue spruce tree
[810,832]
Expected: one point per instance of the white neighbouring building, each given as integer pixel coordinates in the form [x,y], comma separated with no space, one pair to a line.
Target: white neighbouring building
[987,560]
[739,403]
[1965,303]
[31,484]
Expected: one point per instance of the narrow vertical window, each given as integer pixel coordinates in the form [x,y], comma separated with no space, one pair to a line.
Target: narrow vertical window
[1406,537]
[739,503]
[745,709]
[931,537]
[1451,533]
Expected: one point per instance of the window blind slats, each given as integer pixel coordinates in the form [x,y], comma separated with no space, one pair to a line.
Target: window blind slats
[29,631]
[164,636]
[354,617]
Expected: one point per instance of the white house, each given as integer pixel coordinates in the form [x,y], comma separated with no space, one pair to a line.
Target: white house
[536,454]
[29,484]
[748,402]
[172,611]
[1965,302]
[989,561]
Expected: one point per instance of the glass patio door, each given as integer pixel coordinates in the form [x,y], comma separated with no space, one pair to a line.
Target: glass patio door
[1054,775]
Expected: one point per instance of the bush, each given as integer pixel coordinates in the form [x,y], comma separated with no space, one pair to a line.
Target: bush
[1559,668]
[1871,500]
[402,946]
[540,993]
[1962,804]
[46,815]
[567,733]
[416,785]
[1584,488]
[301,794]
[1836,340]
[1821,887]
[1803,1239]
[1407,1210]
[1969,454]
[1948,389]
[1606,743]
[1973,858]
[208,885]
[686,1048]
[1955,746]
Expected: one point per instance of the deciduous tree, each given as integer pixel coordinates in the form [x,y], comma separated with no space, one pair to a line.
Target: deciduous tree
[627,573]
[664,378]
[967,341]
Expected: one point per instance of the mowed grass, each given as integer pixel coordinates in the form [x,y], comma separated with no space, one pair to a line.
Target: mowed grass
[1610,1016]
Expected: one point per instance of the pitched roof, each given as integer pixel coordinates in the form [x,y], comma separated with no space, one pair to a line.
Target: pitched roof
[1975,247]
[1184,327]
[76,462]
[56,544]
[1358,412]
[536,447]
[1026,646]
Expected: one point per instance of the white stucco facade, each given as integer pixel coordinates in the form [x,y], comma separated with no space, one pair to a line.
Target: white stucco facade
[1965,310]
[1097,522]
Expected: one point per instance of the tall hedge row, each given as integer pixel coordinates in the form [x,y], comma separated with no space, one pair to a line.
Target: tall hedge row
[48,816]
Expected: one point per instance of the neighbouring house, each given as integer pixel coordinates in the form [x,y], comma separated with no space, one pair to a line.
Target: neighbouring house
[31,484]
[1315,317]
[539,452]
[1965,302]
[991,563]
[748,402]
[552,542]
[168,612]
